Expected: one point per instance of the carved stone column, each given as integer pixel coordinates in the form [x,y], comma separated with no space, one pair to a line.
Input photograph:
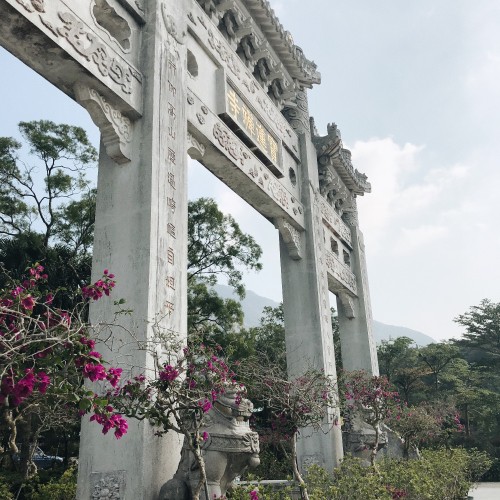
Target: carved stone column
[359,351]
[141,236]
[309,342]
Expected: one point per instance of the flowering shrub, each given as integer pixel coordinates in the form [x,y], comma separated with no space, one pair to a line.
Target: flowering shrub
[373,399]
[46,354]
[308,400]
[183,390]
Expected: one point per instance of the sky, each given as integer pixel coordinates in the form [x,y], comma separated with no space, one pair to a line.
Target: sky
[414,88]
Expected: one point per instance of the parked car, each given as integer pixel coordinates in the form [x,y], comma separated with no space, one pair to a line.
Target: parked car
[41,460]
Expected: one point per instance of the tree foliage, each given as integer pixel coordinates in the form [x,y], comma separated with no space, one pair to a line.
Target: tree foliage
[482,330]
[217,247]
[42,194]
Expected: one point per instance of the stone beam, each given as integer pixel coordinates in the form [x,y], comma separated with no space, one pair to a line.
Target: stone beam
[65,43]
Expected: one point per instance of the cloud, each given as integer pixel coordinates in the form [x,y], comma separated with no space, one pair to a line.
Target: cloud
[415,238]
[407,194]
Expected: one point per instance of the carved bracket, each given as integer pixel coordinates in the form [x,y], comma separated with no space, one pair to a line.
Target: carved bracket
[291,237]
[195,149]
[116,129]
[348,305]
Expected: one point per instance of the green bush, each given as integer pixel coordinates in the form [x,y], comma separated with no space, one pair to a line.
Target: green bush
[438,475]
[350,481]
[5,493]
[265,492]
[62,489]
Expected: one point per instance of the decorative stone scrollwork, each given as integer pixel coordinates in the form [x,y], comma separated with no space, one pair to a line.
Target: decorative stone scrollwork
[195,149]
[350,211]
[347,304]
[230,144]
[116,129]
[89,46]
[291,237]
[37,5]
[108,485]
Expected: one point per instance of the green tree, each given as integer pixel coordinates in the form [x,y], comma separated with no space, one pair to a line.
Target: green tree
[42,193]
[437,357]
[482,331]
[218,247]
[393,354]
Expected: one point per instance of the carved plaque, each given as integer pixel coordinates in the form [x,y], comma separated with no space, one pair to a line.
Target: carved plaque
[254,129]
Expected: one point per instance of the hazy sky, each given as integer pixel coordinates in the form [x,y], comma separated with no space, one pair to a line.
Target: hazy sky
[415,90]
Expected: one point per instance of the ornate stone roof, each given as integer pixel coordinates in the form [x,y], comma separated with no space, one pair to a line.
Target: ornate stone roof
[292,56]
[330,150]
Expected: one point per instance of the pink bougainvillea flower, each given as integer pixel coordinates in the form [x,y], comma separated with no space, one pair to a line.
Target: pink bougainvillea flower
[169,373]
[94,372]
[205,436]
[88,342]
[114,375]
[28,303]
[205,405]
[43,382]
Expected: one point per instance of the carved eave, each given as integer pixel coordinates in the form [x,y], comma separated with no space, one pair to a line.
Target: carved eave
[330,151]
[292,56]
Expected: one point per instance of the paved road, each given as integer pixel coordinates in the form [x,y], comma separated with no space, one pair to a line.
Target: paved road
[486,491]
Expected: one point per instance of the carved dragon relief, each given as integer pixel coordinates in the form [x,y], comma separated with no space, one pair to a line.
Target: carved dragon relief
[116,129]
[291,237]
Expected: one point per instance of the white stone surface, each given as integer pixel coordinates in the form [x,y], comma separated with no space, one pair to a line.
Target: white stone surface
[485,491]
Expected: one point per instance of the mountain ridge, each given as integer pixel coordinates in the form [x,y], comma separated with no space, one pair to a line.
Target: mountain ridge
[253,304]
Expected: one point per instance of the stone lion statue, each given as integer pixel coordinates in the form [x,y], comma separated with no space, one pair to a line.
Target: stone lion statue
[230,449]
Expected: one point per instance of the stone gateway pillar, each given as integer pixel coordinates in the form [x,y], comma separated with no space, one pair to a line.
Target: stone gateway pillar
[141,234]
[306,305]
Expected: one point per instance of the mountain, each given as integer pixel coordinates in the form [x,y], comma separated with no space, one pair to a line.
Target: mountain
[253,305]
[381,331]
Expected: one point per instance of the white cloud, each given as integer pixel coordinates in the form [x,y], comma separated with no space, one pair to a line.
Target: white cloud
[406,194]
[414,239]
